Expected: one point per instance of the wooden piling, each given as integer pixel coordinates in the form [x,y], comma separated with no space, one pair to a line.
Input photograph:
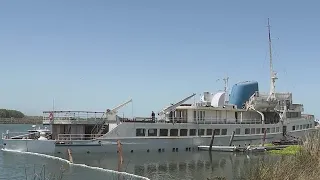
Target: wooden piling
[70,156]
[264,136]
[120,151]
[231,138]
[211,142]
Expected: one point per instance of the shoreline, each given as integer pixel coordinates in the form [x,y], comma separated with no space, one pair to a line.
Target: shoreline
[25,120]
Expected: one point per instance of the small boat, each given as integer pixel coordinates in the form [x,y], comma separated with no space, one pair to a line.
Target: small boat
[34,133]
[218,148]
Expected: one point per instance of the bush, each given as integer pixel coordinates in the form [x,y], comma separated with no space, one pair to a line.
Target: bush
[304,165]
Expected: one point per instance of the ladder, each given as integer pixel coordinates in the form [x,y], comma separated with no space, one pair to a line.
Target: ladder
[103,129]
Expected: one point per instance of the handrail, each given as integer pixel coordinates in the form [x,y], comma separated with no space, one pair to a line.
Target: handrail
[69,137]
[98,125]
[213,120]
[73,119]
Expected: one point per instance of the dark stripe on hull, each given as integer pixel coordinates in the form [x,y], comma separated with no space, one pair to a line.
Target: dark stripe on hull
[78,145]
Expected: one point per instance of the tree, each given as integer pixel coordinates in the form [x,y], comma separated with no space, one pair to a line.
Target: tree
[8,113]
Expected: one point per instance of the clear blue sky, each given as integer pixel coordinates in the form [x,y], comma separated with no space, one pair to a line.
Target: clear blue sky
[93,55]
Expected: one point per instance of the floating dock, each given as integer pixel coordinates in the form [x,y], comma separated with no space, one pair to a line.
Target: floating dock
[242,149]
[218,148]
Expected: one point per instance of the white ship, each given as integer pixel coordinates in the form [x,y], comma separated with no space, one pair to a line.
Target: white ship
[246,115]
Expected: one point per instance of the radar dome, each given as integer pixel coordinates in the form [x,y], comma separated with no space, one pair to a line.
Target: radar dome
[218,99]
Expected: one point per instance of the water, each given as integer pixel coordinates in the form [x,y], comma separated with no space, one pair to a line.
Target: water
[168,165]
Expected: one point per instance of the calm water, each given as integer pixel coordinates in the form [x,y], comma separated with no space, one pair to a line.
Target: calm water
[169,165]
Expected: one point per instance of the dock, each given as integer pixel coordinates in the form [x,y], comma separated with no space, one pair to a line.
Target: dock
[242,149]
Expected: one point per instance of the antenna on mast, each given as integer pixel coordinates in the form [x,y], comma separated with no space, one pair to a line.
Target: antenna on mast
[226,80]
[53,104]
[273,75]
[226,95]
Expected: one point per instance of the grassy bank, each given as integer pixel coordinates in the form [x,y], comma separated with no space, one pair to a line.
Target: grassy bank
[302,164]
[291,150]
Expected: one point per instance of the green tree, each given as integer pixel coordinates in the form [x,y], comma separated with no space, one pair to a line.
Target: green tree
[3,113]
[8,113]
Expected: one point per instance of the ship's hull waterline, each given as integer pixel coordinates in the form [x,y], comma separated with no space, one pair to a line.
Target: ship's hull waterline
[131,145]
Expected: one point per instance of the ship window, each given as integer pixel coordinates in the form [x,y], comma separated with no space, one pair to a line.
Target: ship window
[173,132]
[183,132]
[253,130]
[300,126]
[192,132]
[163,132]
[247,131]
[272,130]
[304,126]
[262,130]
[209,131]
[277,129]
[307,126]
[297,127]
[258,131]
[310,126]
[238,130]
[288,114]
[195,115]
[200,132]
[217,132]
[140,132]
[293,128]
[268,130]
[152,132]
[202,116]
[224,132]
[198,116]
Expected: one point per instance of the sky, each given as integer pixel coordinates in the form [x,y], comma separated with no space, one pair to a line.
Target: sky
[94,55]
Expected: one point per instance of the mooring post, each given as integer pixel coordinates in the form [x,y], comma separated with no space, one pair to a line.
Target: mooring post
[211,142]
[120,152]
[264,136]
[70,156]
[231,138]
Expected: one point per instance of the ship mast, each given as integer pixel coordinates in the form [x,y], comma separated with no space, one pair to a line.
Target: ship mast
[225,80]
[226,95]
[273,75]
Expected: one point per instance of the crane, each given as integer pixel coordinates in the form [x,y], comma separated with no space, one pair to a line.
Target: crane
[174,106]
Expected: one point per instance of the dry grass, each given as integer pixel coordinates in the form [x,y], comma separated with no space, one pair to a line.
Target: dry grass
[304,165]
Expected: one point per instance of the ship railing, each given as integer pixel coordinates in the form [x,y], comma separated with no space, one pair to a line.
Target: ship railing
[307,116]
[73,119]
[20,135]
[72,115]
[212,121]
[139,119]
[230,121]
[71,137]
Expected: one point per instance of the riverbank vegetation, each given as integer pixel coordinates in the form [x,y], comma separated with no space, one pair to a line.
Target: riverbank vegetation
[9,113]
[290,150]
[302,164]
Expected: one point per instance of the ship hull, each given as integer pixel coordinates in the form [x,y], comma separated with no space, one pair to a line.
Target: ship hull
[131,145]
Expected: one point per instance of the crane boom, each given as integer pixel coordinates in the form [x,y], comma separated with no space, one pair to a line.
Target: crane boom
[115,110]
[174,106]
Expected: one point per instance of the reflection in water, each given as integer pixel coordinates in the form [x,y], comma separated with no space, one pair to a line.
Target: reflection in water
[17,165]
[182,165]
